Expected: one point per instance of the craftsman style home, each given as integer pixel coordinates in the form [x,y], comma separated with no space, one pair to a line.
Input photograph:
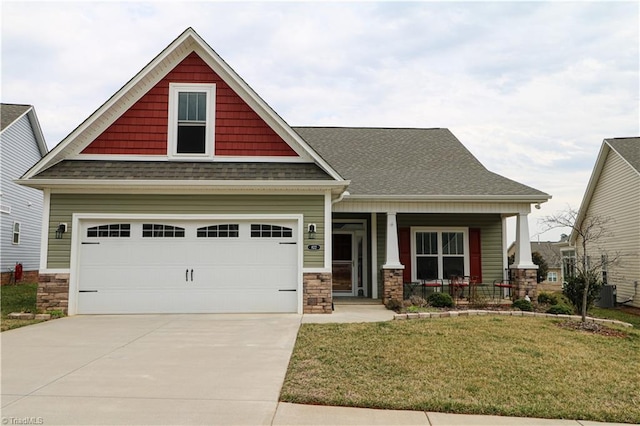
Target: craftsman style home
[185,192]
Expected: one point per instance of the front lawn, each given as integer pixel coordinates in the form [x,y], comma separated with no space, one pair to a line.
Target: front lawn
[511,366]
[17,298]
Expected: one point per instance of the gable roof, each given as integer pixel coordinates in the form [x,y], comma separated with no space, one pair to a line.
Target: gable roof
[189,41]
[416,163]
[549,250]
[628,149]
[10,113]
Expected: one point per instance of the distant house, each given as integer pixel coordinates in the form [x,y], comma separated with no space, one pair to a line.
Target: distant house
[185,192]
[21,146]
[613,192]
[551,253]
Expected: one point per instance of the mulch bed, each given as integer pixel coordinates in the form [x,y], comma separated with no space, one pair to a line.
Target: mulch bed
[592,327]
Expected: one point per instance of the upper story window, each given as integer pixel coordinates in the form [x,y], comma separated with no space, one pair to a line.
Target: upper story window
[191,120]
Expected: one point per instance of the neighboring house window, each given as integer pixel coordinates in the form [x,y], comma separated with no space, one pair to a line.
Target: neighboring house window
[552,277]
[270,231]
[16,233]
[605,262]
[116,230]
[154,230]
[191,120]
[5,208]
[569,263]
[219,231]
[440,254]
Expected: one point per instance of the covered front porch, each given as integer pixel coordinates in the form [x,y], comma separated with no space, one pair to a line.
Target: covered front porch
[395,254]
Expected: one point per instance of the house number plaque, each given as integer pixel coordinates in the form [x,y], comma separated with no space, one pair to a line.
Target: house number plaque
[314,247]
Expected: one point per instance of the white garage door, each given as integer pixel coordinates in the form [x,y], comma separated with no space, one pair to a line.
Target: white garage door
[157,266]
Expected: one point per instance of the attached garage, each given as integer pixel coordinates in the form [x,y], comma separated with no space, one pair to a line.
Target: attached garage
[214,265]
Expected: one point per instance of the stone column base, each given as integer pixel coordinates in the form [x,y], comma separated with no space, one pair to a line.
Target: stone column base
[525,282]
[391,284]
[317,293]
[53,292]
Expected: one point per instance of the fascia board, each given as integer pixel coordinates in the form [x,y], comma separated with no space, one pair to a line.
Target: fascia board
[57,153]
[591,186]
[452,198]
[195,184]
[37,131]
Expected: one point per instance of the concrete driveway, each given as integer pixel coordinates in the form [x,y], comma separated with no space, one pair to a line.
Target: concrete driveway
[147,369]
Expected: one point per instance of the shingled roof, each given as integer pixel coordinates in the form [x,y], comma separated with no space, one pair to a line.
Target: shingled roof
[628,148]
[180,170]
[410,162]
[10,113]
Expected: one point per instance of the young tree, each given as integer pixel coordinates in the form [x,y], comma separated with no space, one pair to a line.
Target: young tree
[588,232]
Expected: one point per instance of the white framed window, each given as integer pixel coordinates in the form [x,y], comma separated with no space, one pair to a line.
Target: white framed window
[552,277]
[191,130]
[439,253]
[16,233]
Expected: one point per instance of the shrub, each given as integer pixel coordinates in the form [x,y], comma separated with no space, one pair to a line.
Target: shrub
[547,298]
[523,305]
[394,305]
[560,309]
[574,289]
[440,300]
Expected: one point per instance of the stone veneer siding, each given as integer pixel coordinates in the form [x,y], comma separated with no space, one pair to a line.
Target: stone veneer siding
[525,282]
[316,296]
[53,292]
[392,285]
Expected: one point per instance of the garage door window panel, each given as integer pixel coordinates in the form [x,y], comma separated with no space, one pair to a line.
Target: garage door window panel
[219,231]
[270,231]
[155,230]
[114,230]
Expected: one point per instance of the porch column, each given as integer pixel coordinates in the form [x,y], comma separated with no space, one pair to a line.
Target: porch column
[392,268]
[523,244]
[392,260]
[523,271]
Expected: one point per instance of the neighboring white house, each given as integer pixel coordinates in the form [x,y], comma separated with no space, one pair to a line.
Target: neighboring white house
[21,146]
[613,193]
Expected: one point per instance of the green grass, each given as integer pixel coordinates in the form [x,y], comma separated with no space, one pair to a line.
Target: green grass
[17,298]
[511,366]
[615,314]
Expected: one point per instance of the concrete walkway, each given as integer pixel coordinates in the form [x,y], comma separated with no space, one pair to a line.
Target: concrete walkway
[181,370]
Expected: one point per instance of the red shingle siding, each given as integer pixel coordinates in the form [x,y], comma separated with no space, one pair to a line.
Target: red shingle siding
[142,130]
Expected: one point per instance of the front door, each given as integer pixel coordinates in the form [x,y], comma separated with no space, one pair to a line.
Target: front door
[342,269]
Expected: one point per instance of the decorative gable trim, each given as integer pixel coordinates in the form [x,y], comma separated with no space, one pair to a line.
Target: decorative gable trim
[189,41]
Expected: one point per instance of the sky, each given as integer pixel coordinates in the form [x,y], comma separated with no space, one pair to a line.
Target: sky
[530,88]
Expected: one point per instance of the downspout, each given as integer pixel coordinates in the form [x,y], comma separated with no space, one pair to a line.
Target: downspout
[337,200]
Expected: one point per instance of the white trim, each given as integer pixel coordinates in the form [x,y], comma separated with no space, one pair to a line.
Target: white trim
[125,185]
[44,234]
[505,255]
[316,270]
[509,207]
[209,89]
[328,232]
[392,260]
[439,230]
[530,199]
[365,253]
[374,255]
[55,271]
[74,269]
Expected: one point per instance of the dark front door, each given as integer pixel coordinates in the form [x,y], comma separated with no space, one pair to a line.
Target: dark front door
[342,263]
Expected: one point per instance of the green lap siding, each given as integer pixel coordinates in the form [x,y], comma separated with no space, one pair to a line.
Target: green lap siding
[63,206]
